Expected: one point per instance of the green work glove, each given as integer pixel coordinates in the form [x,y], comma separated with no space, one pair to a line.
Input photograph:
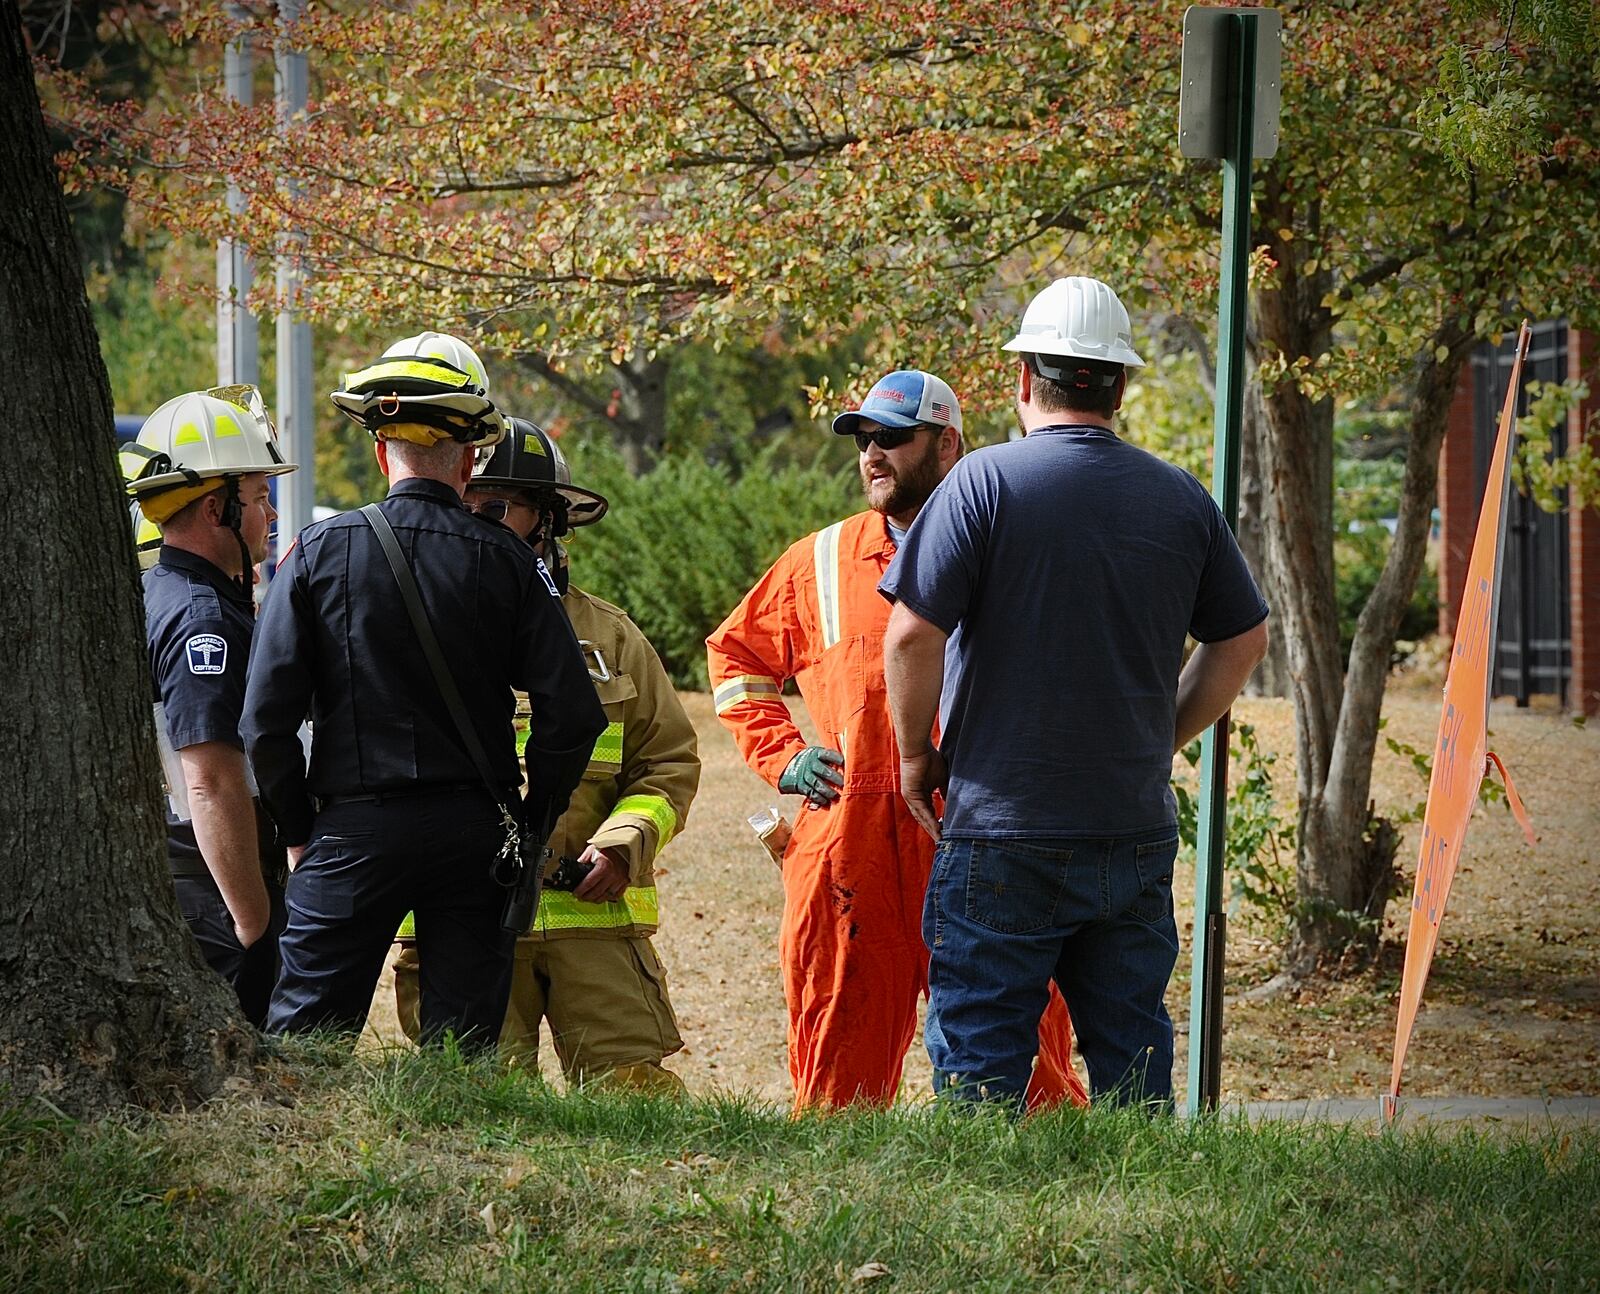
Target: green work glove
[814,773]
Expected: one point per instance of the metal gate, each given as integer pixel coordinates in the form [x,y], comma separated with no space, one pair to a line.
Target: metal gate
[1533,644]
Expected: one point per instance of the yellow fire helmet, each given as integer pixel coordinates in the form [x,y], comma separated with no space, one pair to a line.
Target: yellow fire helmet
[146,537]
[424,389]
[196,440]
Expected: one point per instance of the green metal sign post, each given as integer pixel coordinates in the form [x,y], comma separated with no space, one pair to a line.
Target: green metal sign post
[1229,109]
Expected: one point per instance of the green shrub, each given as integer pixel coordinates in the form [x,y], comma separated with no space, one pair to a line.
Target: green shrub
[1365,494]
[683,543]
[1259,850]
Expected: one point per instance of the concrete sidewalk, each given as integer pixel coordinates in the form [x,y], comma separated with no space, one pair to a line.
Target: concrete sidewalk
[1530,1114]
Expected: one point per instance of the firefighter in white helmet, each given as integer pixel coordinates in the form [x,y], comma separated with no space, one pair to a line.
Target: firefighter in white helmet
[199,472]
[393,814]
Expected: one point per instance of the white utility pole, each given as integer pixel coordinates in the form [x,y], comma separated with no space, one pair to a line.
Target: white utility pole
[238,345]
[296,421]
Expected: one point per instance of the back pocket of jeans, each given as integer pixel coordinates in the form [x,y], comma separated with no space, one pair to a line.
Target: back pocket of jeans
[1153,862]
[1014,888]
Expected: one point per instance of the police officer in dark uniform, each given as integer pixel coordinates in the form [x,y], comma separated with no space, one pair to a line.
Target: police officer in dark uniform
[199,471]
[392,815]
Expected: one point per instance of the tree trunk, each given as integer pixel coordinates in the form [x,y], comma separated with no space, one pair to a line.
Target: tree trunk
[1296,445]
[1271,677]
[104,997]
[640,425]
[1345,863]
[635,408]
[1347,857]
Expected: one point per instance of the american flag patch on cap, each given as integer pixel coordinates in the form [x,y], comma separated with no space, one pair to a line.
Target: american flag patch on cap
[939,411]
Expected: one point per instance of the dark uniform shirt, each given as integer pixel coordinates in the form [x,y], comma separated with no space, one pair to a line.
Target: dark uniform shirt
[1073,564]
[335,644]
[198,625]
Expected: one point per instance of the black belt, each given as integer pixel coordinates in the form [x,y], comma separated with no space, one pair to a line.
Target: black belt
[400,793]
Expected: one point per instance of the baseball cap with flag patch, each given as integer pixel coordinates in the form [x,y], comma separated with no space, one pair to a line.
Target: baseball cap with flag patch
[907,397]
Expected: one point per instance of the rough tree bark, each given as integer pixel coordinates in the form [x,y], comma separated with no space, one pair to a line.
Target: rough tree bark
[104,998]
[1271,677]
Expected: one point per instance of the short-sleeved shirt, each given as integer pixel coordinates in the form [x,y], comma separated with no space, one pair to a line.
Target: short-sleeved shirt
[1074,566]
[198,626]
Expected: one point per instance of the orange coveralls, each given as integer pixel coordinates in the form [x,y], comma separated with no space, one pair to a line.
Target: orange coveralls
[855,872]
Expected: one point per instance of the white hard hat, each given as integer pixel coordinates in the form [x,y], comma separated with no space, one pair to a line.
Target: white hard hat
[197,439]
[146,536]
[1077,318]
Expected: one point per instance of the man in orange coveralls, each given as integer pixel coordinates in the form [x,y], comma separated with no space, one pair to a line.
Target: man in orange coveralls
[857,866]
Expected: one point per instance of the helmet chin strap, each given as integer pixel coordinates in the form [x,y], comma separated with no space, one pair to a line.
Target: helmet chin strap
[233,519]
[543,542]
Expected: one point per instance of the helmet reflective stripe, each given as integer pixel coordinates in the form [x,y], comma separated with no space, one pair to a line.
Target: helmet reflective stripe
[420,370]
[1077,318]
[441,345]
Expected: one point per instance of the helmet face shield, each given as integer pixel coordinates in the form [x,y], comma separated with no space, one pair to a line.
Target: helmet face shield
[248,397]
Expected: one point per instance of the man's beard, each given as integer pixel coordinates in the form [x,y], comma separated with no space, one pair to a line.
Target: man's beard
[910,485]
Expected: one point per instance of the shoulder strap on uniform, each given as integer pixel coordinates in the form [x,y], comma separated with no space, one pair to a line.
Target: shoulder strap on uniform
[430,647]
[520,867]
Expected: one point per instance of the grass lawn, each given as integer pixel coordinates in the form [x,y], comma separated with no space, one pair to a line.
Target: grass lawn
[411,1172]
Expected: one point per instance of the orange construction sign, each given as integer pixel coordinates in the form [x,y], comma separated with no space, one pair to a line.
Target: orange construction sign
[1461,757]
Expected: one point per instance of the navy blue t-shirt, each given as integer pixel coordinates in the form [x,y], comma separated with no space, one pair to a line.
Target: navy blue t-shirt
[1074,565]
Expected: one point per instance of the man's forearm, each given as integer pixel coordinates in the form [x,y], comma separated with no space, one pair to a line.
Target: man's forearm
[913,669]
[1213,678]
[225,829]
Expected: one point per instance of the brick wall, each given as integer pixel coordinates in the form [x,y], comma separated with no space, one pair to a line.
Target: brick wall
[1583,361]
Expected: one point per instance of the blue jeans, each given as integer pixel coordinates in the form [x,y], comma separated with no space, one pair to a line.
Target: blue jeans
[1004,916]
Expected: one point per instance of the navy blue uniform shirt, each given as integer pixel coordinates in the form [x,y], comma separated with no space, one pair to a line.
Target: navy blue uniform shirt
[1074,565]
[335,644]
[198,625]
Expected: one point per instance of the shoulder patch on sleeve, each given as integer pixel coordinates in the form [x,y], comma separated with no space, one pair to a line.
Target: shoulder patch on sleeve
[208,654]
[544,574]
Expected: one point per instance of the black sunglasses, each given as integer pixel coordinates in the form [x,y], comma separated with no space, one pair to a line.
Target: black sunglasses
[885,437]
